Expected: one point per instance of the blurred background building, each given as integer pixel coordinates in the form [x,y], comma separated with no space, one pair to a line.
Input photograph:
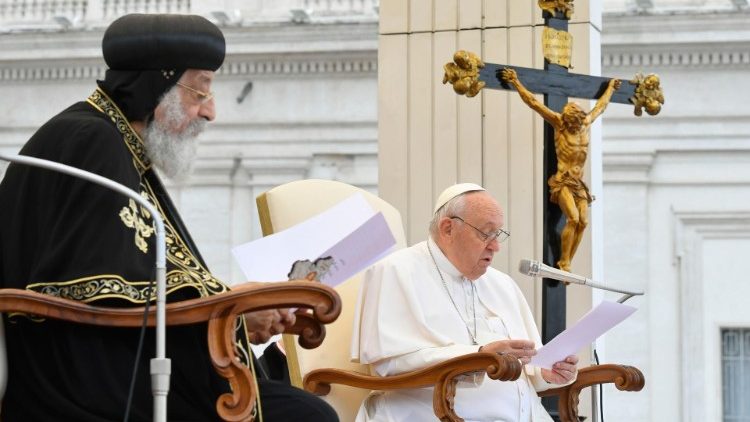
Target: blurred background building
[297,98]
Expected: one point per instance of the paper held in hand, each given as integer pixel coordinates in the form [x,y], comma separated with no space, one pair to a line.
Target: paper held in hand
[595,323]
[351,233]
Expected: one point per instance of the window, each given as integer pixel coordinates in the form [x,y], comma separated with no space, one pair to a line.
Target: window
[735,367]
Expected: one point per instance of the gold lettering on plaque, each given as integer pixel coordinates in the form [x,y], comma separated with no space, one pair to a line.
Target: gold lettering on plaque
[557,46]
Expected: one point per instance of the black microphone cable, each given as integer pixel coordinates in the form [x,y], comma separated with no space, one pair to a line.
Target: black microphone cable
[139,350]
[601,392]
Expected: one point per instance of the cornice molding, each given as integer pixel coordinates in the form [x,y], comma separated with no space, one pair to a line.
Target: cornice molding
[686,40]
[713,224]
[314,65]
[51,72]
[630,168]
[662,165]
[280,66]
[279,49]
[85,43]
[674,28]
[670,56]
[301,38]
[712,130]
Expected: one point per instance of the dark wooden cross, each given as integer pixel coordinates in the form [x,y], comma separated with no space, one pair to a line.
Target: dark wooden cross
[557,84]
[555,97]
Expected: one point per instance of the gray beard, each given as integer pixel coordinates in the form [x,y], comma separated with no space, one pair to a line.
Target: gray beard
[173,153]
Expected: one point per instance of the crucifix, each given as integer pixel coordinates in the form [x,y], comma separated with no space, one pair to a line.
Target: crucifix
[566,136]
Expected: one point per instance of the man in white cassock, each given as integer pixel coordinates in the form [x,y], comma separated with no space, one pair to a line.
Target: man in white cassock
[440,299]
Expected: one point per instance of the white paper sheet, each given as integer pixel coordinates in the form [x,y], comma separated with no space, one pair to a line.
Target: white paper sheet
[360,249]
[595,323]
[351,231]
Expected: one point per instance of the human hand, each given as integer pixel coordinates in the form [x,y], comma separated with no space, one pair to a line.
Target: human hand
[509,75]
[562,372]
[261,325]
[615,84]
[523,350]
[288,317]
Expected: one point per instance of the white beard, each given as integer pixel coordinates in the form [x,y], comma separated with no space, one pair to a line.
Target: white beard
[171,152]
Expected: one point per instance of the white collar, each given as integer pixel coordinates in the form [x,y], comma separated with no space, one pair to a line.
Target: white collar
[442,261]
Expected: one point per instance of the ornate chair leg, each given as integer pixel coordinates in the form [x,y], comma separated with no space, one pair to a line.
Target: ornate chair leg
[239,405]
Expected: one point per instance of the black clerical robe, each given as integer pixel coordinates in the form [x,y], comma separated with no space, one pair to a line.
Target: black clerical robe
[73,239]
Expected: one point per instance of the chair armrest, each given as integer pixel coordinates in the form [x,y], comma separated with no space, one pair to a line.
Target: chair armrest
[322,300]
[444,376]
[625,378]
[220,311]
[309,330]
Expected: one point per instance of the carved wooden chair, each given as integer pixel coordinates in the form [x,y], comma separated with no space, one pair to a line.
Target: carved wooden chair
[289,204]
[318,305]
[328,371]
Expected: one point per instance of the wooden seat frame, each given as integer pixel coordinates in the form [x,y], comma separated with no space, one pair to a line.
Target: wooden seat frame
[444,377]
[317,305]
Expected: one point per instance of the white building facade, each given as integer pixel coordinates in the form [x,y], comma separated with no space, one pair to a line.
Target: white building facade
[677,209]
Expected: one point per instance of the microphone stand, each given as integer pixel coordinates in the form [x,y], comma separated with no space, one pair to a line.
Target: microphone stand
[595,388]
[538,269]
[160,365]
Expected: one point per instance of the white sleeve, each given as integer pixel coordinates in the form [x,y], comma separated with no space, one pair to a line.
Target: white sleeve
[421,358]
[533,372]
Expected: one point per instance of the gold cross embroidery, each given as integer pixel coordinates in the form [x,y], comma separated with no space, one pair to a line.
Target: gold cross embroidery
[132,218]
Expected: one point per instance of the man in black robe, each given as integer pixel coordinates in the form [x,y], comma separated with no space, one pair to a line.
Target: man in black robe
[70,238]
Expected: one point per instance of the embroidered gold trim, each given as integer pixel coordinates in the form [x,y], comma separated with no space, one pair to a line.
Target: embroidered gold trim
[13,317]
[105,286]
[133,217]
[93,104]
[178,254]
[103,103]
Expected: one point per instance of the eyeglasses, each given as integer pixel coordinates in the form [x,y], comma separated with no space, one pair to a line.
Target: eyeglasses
[203,97]
[499,234]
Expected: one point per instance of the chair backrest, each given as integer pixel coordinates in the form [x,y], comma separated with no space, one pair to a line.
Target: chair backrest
[292,203]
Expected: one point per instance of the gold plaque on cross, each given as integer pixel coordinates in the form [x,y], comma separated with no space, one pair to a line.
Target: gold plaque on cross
[557,46]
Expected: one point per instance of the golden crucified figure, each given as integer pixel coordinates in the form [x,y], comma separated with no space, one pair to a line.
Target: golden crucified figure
[567,188]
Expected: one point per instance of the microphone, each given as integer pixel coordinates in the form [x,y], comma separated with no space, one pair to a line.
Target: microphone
[538,269]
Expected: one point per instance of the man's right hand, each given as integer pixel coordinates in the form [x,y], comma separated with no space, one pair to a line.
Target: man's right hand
[523,350]
[261,325]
